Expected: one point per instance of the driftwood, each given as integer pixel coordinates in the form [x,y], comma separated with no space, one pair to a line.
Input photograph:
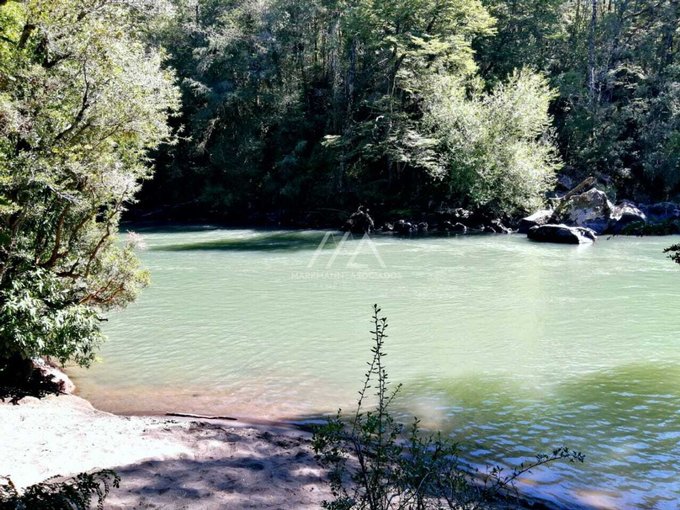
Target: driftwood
[585,185]
[201,416]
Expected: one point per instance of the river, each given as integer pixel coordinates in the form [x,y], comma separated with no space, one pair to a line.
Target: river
[510,346]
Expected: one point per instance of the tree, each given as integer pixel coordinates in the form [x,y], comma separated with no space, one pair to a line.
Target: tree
[496,149]
[82,102]
[615,65]
[617,75]
[304,105]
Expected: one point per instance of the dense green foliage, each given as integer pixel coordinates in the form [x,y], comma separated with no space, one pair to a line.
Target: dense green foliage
[75,493]
[302,106]
[615,64]
[495,148]
[81,103]
[294,106]
[376,463]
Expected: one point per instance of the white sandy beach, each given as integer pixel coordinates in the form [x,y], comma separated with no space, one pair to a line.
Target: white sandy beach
[163,463]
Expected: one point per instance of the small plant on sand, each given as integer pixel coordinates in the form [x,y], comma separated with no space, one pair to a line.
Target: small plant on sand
[75,493]
[376,463]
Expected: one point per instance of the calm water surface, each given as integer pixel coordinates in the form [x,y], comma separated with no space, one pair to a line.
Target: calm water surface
[512,347]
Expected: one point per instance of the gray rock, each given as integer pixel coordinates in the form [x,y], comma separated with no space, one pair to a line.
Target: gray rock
[497,227]
[591,209]
[562,234]
[625,214]
[538,218]
[459,228]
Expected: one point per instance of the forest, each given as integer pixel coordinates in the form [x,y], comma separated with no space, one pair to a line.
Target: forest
[296,112]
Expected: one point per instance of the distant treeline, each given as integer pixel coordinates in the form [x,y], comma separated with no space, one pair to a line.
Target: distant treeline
[297,108]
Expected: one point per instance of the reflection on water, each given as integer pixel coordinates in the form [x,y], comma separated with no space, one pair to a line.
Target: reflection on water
[626,419]
[512,347]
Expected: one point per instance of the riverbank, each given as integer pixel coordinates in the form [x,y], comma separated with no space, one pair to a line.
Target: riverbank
[163,463]
[175,463]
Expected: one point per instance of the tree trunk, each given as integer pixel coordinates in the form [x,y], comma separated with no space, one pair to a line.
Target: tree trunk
[591,57]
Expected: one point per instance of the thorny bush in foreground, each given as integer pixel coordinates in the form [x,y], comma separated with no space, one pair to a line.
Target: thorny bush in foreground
[377,463]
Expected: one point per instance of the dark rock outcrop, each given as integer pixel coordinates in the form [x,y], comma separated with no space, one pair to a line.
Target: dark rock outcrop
[661,212]
[359,222]
[562,234]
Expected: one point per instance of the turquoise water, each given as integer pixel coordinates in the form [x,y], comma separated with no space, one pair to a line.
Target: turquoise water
[512,347]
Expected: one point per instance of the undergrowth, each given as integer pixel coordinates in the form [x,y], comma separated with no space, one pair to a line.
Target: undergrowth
[78,493]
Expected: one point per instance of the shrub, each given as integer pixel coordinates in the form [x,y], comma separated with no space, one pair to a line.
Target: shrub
[377,463]
[496,149]
[75,493]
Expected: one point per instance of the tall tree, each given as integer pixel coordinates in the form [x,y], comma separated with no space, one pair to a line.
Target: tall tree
[295,105]
[81,104]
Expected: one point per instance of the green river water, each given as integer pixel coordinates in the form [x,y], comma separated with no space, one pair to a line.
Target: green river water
[510,346]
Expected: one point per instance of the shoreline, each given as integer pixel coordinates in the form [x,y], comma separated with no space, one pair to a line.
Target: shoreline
[168,462]
[164,462]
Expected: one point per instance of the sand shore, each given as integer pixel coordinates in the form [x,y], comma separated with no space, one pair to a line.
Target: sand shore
[168,463]
[163,463]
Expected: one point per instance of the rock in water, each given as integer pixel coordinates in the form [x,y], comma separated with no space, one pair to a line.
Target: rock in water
[591,209]
[360,222]
[538,218]
[562,234]
[624,214]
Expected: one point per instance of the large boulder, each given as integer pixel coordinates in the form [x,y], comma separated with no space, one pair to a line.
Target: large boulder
[538,218]
[562,234]
[591,209]
[625,214]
